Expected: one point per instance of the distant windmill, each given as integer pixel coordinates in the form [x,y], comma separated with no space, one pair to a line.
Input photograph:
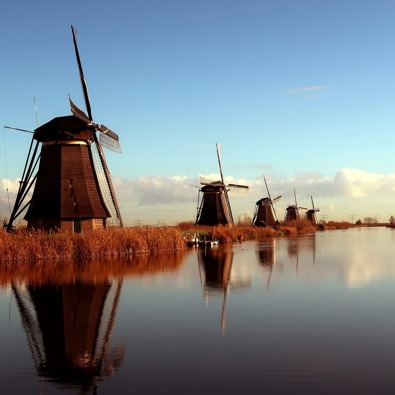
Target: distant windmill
[292,211]
[73,190]
[310,214]
[265,213]
[213,206]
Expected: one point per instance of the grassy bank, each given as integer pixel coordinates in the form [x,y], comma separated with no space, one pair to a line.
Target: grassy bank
[236,233]
[37,246]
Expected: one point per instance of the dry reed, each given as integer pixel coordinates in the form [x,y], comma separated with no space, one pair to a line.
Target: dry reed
[38,246]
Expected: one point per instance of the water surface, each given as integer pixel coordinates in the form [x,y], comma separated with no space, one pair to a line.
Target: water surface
[313,314]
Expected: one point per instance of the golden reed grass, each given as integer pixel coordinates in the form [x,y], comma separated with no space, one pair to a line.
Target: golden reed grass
[37,245]
[242,232]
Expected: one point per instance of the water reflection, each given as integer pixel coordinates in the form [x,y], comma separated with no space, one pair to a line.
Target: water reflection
[68,312]
[266,251]
[215,268]
[68,328]
[123,323]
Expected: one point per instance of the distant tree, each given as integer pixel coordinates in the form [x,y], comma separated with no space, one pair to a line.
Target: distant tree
[358,222]
[368,220]
[392,220]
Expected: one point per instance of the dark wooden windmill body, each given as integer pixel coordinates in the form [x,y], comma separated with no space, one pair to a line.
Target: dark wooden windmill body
[214,206]
[265,213]
[310,214]
[67,194]
[292,211]
[72,187]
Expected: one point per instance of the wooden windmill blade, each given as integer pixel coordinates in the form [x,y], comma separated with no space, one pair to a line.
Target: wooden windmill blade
[110,135]
[238,186]
[219,162]
[222,180]
[270,198]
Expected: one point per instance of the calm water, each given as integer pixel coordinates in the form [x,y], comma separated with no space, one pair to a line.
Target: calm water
[309,315]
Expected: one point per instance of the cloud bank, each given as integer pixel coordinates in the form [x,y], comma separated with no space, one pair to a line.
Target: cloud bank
[176,196]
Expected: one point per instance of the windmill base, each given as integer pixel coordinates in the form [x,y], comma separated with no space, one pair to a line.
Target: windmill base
[69,226]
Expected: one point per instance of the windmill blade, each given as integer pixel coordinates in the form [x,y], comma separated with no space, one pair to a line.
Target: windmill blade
[270,199]
[223,183]
[82,78]
[276,199]
[20,130]
[109,139]
[107,131]
[302,208]
[296,203]
[312,202]
[208,181]
[219,161]
[78,112]
[109,143]
[89,119]
[316,210]
[238,186]
[267,188]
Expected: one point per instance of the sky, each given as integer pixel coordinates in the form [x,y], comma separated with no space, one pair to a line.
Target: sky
[301,91]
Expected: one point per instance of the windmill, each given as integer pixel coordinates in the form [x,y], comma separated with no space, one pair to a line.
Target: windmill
[265,213]
[73,190]
[292,211]
[213,206]
[310,214]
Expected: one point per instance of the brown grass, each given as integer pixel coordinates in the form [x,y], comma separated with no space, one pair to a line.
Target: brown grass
[37,246]
[241,232]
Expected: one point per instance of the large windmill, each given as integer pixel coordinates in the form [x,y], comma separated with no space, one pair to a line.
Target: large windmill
[265,213]
[213,206]
[72,187]
[310,214]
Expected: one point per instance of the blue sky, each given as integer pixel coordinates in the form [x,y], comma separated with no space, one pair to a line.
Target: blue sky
[301,91]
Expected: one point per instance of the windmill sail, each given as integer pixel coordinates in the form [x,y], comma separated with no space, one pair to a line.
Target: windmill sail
[102,161]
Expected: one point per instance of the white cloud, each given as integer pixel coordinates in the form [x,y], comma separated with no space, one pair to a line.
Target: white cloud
[307,89]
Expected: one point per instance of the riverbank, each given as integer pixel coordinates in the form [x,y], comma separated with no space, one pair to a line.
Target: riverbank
[38,246]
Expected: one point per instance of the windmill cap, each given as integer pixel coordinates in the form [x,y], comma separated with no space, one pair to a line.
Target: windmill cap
[54,129]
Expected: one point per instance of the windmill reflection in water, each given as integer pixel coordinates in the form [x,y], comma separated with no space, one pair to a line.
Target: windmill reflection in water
[218,276]
[68,328]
